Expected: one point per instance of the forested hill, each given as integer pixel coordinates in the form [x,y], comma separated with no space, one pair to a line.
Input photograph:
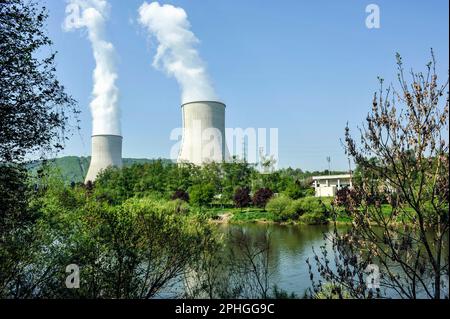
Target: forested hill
[74,168]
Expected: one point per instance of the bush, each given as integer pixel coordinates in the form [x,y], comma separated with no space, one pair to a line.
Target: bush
[347,198]
[177,206]
[261,197]
[299,189]
[310,191]
[242,197]
[309,205]
[313,219]
[201,194]
[180,194]
[294,191]
[332,291]
[281,207]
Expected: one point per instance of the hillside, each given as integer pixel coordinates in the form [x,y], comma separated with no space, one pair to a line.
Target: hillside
[74,168]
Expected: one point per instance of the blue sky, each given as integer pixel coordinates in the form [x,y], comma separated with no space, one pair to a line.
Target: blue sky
[304,67]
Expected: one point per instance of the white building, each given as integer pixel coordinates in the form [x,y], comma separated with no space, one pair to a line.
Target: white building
[327,185]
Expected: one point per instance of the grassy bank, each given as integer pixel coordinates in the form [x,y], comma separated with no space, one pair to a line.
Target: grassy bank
[254,214]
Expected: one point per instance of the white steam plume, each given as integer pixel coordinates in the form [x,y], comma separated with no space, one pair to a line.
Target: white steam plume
[176,52]
[92,15]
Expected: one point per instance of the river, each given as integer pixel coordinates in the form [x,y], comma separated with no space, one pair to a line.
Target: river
[290,246]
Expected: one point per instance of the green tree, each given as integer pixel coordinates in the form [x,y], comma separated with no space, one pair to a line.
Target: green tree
[281,207]
[34,117]
[201,195]
[235,174]
[34,106]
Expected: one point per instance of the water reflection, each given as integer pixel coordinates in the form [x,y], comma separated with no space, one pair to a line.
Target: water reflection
[291,245]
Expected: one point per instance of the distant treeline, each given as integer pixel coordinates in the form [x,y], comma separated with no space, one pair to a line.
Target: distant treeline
[74,168]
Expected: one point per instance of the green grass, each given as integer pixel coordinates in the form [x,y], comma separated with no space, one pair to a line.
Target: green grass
[252,214]
[249,214]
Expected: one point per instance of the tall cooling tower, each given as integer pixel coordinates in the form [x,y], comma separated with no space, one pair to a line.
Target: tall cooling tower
[106,152]
[203,132]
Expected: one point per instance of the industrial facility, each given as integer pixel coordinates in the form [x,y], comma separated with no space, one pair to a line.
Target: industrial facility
[106,152]
[203,139]
[203,132]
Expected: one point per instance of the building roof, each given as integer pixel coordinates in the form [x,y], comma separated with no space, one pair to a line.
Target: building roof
[323,177]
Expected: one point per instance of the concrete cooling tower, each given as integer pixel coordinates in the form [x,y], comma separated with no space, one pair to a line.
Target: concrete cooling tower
[106,152]
[203,132]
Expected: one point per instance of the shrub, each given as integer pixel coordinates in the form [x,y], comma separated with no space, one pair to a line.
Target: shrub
[294,191]
[332,291]
[299,189]
[313,219]
[309,205]
[242,197]
[311,210]
[261,197]
[310,191]
[201,194]
[347,198]
[177,206]
[281,207]
[180,194]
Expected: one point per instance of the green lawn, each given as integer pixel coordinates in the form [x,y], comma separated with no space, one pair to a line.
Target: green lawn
[249,214]
[252,214]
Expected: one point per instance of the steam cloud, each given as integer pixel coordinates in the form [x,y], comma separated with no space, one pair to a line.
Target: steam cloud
[92,15]
[176,53]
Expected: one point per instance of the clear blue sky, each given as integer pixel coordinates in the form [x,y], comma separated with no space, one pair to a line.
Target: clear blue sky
[305,67]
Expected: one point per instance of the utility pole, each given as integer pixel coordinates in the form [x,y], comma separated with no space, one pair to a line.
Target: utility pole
[350,172]
[244,150]
[329,164]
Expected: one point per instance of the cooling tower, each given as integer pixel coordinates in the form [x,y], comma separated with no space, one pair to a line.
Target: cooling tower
[203,132]
[106,152]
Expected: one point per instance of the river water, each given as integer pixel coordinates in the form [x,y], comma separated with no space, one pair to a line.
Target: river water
[290,246]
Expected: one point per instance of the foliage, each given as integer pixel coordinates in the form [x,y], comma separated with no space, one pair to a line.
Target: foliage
[278,293]
[235,174]
[201,195]
[131,250]
[74,168]
[261,197]
[348,198]
[34,106]
[251,258]
[280,206]
[34,114]
[313,219]
[242,197]
[181,194]
[309,205]
[402,159]
[309,210]
[332,291]
[299,188]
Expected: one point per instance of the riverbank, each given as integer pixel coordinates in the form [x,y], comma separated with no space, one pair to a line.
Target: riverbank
[257,215]
[260,216]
